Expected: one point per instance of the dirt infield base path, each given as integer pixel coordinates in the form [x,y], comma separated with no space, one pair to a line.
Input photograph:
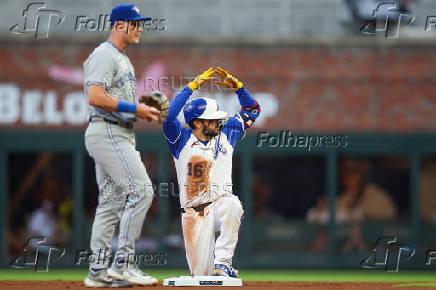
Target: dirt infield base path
[49,285]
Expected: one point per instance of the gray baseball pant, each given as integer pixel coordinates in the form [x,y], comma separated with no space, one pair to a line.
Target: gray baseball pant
[126,191]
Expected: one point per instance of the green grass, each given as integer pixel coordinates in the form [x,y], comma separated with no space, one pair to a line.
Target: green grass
[250,275]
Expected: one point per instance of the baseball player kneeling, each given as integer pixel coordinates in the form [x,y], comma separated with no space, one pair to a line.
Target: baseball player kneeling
[203,160]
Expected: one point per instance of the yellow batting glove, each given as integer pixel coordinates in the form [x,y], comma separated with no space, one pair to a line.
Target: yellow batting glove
[228,81]
[199,80]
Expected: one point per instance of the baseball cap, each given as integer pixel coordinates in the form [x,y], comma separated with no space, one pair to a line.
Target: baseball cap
[203,108]
[126,12]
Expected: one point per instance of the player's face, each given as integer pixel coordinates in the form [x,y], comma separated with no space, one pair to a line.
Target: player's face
[134,29]
[211,128]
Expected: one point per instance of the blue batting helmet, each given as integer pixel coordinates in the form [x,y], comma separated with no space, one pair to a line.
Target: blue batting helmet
[202,108]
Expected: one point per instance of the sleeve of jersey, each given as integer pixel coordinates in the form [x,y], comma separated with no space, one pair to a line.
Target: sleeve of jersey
[99,69]
[235,126]
[250,108]
[174,134]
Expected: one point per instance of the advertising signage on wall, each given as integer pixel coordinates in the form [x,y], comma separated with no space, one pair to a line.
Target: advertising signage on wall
[313,87]
[29,108]
[35,107]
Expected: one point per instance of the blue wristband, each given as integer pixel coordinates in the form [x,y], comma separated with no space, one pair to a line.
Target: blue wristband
[124,106]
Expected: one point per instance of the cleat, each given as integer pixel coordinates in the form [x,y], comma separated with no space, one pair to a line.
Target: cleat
[100,278]
[224,270]
[132,274]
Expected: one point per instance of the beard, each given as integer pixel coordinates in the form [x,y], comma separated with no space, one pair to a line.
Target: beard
[210,133]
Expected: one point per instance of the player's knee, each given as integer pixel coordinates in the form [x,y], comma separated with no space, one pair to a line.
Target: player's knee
[143,192]
[237,206]
[145,198]
[239,210]
[145,187]
[234,206]
[148,191]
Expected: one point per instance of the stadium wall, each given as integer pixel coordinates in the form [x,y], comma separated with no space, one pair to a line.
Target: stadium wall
[311,86]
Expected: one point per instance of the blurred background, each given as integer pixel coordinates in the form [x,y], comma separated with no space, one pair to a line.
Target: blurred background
[362,70]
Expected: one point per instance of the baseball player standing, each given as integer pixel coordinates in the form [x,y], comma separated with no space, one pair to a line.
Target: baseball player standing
[203,161]
[125,188]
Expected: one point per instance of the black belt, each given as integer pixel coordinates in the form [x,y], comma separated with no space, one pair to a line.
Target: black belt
[198,208]
[127,125]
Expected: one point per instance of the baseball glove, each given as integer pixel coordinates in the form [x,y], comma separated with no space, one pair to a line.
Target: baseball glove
[228,81]
[158,101]
[201,79]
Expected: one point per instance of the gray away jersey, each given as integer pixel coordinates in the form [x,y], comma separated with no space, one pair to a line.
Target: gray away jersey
[110,68]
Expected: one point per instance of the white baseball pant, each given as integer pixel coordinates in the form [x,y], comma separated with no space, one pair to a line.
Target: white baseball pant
[199,228]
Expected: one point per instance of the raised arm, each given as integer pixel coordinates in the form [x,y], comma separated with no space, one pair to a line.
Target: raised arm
[235,126]
[250,109]
[171,126]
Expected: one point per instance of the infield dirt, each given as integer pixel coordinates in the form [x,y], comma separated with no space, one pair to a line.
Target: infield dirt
[52,285]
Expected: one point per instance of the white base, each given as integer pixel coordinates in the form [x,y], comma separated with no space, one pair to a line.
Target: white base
[202,281]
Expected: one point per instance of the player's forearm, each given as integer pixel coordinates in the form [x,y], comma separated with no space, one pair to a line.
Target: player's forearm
[98,97]
[250,108]
[178,102]
[245,98]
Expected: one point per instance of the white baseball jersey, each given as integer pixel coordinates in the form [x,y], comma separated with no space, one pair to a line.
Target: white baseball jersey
[204,168]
